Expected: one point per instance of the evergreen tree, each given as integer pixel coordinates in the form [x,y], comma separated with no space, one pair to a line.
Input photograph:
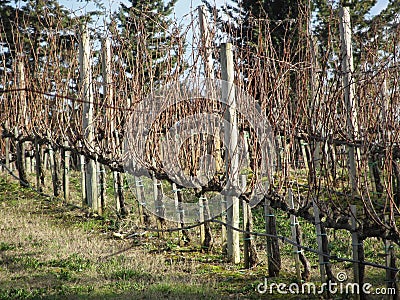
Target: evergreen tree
[266,29]
[9,15]
[30,30]
[147,43]
[367,30]
[248,20]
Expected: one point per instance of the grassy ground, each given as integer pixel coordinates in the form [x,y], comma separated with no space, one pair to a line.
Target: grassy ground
[50,250]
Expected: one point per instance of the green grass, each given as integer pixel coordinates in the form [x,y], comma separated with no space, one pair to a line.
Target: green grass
[53,250]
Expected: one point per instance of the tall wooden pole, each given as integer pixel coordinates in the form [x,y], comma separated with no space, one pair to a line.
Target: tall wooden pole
[110,117]
[348,86]
[87,118]
[21,157]
[206,42]
[231,155]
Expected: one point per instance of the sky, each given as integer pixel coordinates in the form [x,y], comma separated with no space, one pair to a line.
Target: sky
[182,7]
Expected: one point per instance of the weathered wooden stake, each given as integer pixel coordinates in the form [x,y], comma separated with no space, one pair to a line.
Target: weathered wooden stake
[293,224]
[158,204]
[206,42]
[54,169]
[38,167]
[7,147]
[82,165]
[303,145]
[391,275]
[224,244]
[177,209]
[348,85]
[319,242]
[185,234]
[208,237]
[87,118]
[140,198]
[249,247]
[273,252]
[19,163]
[109,117]
[102,187]
[201,219]
[246,236]
[231,154]
[315,98]
[355,245]
[66,170]
[119,183]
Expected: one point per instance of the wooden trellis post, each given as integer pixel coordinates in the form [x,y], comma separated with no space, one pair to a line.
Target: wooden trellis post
[206,239]
[293,224]
[249,247]
[315,98]
[19,163]
[201,219]
[348,86]
[177,209]
[87,118]
[273,252]
[118,179]
[390,262]
[38,166]
[66,170]
[82,166]
[246,236]
[7,146]
[140,198]
[110,118]
[355,242]
[181,215]
[102,187]
[206,42]
[158,204]
[22,114]
[319,242]
[223,227]
[231,155]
